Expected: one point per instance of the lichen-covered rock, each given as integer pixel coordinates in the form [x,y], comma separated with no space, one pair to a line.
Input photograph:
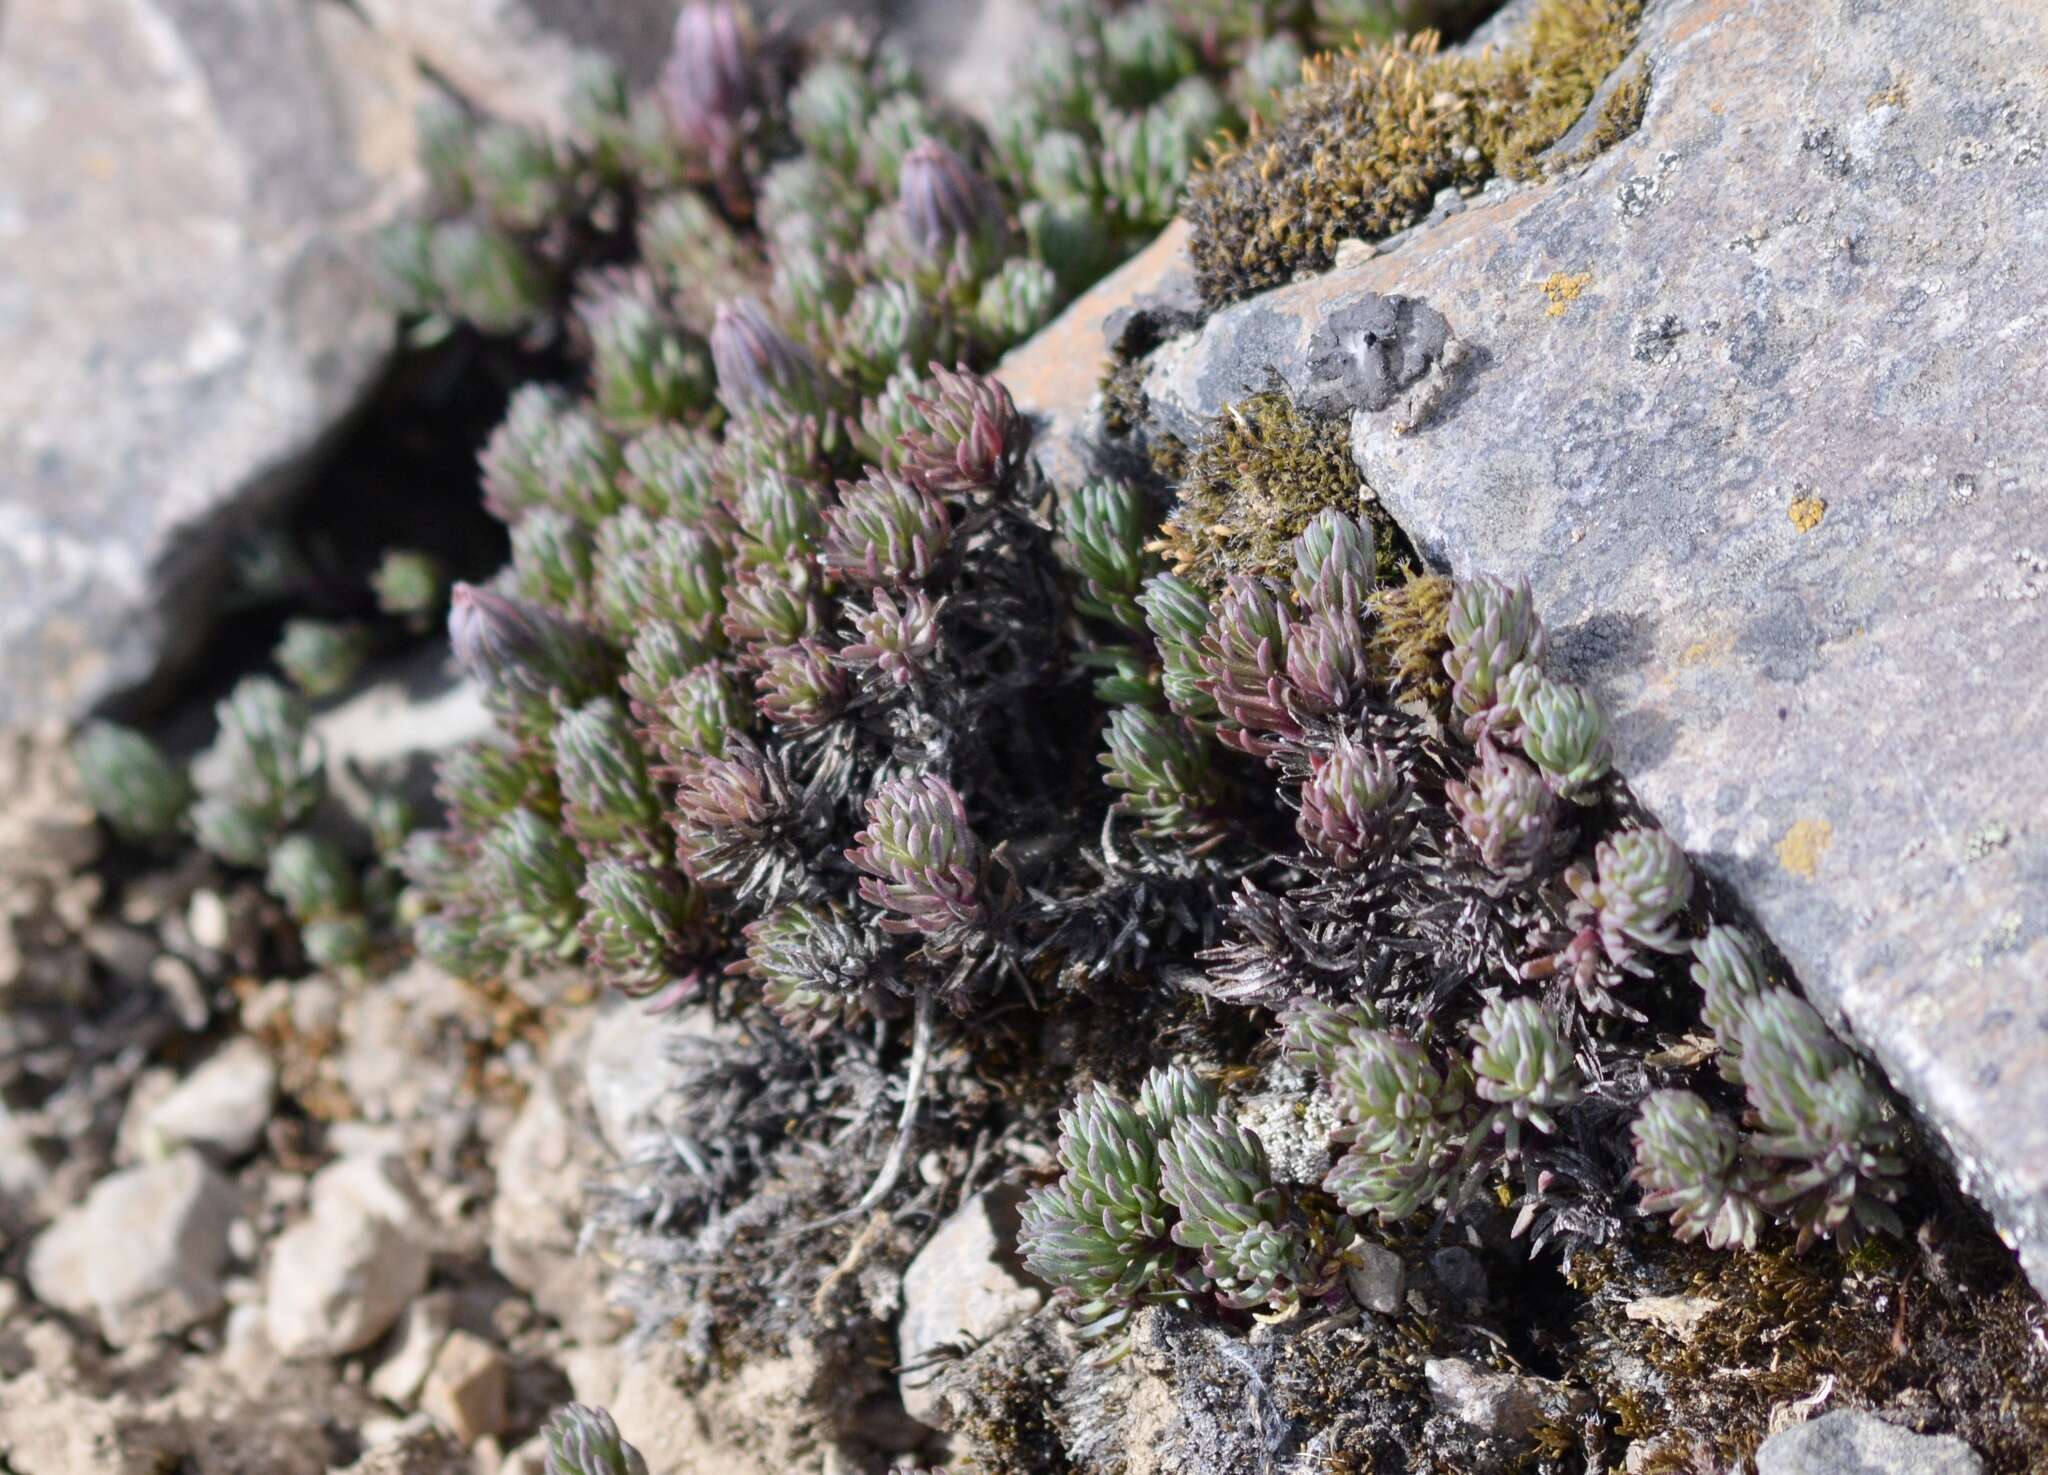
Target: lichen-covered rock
[1768,449]
[191,188]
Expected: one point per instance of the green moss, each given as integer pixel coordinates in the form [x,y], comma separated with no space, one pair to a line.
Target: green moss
[1254,481]
[1361,148]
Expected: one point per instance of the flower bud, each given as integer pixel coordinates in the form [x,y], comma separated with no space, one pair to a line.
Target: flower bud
[709,82]
[759,366]
[945,202]
[521,651]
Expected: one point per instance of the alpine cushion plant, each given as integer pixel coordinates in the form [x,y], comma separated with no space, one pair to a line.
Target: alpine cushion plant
[799,669]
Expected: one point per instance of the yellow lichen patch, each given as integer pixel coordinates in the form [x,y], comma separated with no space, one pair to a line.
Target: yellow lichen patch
[1804,844]
[1891,95]
[1806,513]
[1563,289]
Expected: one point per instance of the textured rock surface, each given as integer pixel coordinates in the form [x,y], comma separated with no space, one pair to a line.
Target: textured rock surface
[1850,1443]
[1752,399]
[189,186]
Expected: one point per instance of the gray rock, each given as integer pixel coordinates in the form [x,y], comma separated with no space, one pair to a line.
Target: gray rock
[405,714]
[142,1255]
[1379,1282]
[1854,1443]
[964,1287]
[629,1069]
[1768,444]
[223,1105]
[339,1278]
[1494,1405]
[191,185]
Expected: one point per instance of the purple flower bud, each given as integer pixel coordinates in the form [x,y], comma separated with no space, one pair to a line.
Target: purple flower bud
[520,650]
[760,366]
[708,83]
[922,861]
[976,439]
[943,199]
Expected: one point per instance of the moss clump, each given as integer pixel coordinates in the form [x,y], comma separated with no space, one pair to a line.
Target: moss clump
[1258,476]
[1620,115]
[1410,634]
[1944,1330]
[1361,148]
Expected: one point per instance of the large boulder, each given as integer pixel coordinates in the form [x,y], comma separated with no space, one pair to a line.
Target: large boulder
[1752,398]
[189,312]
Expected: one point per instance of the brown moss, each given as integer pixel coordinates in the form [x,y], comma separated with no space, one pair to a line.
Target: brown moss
[1944,1332]
[1254,481]
[1362,147]
[1620,116]
[1409,634]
